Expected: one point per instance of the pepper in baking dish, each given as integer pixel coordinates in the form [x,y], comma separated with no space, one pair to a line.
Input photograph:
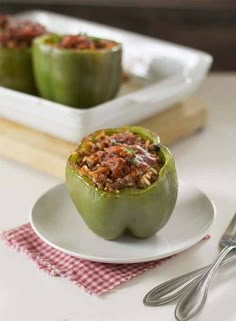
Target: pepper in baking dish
[16,70]
[122,180]
[77,71]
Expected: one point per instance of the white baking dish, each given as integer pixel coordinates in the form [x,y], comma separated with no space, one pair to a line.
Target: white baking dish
[162,73]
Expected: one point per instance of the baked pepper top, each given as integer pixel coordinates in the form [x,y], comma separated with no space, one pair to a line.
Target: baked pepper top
[122,179]
[77,70]
[18,34]
[120,160]
[83,42]
[4,19]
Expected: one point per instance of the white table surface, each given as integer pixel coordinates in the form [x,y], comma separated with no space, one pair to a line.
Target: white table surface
[206,159]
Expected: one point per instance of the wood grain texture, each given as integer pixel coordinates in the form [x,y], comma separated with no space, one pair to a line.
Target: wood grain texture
[49,154]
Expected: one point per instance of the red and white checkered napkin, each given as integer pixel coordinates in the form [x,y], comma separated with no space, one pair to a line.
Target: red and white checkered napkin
[95,278]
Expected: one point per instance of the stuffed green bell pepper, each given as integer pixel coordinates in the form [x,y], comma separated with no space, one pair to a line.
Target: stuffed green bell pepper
[16,70]
[78,71]
[122,180]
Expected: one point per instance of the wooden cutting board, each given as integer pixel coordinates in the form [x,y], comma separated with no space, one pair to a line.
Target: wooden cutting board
[49,154]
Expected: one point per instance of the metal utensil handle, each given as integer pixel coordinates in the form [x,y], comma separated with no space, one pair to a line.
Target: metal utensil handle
[170,290]
[174,288]
[192,302]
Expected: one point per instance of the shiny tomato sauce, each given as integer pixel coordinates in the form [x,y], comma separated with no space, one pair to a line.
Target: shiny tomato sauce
[118,161]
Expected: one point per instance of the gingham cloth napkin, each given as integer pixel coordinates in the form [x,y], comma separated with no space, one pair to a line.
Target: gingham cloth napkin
[95,278]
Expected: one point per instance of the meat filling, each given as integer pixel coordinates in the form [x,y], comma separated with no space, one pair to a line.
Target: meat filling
[119,161]
[83,42]
[18,34]
[4,21]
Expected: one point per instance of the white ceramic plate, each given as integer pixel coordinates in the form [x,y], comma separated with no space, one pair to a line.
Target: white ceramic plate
[56,221]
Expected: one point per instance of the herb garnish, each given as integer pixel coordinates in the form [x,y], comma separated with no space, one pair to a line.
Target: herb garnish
[130,150]
[133,161]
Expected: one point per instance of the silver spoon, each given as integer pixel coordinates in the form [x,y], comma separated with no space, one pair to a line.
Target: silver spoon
[193,301]
[174,288]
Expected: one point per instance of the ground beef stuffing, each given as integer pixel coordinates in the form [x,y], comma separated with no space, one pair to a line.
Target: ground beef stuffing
[3,21]
[118,161]
[18,34]
[82,42]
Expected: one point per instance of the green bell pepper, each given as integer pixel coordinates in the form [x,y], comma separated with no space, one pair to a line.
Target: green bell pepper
[77,78]
[16,71]
[142,212]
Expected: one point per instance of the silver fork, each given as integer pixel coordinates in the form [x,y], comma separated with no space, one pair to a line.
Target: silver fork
[174,288]
[193,301]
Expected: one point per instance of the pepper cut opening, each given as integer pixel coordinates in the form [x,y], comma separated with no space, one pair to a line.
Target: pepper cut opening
[80,42]
[113,161]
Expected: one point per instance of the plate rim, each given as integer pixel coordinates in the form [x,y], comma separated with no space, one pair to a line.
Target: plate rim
[126,260]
